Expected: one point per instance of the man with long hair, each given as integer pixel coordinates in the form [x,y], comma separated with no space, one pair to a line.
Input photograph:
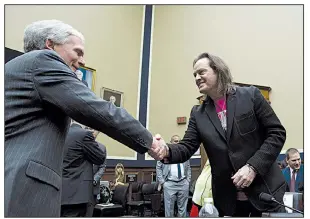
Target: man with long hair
[242,136]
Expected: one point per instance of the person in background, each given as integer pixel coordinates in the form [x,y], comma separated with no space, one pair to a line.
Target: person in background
[175,181]
[98,171]
[203,190]
[77,175]
[294,172]
[119,174]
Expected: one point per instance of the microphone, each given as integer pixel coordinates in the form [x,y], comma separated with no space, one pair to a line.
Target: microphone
[266,197]
[269,198]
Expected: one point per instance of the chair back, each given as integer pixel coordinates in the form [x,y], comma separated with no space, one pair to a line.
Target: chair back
[148,190]
[156,202]
[135,191]
[120,195]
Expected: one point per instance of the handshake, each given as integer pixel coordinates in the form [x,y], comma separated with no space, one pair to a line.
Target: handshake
[159,150]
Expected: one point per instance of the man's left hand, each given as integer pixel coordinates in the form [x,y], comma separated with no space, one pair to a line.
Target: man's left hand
[244,177]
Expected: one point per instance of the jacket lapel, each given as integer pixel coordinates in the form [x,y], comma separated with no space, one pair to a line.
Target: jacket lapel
[230,113]
[287,175]
[299,177]
[210,110]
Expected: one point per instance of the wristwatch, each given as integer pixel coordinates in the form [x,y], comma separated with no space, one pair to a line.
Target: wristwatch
[252,168]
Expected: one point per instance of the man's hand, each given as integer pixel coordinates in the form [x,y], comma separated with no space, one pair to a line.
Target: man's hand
[244,177]
[158,149]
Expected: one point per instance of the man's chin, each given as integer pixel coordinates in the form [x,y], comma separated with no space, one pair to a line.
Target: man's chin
[202,90]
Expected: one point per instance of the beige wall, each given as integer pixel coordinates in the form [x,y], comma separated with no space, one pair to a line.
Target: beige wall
[113,44]
[263,45]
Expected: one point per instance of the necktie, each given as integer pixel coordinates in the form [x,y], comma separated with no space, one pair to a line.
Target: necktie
[179,171]
[292,185]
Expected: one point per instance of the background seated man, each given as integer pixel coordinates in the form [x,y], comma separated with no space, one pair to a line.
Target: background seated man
[294,172]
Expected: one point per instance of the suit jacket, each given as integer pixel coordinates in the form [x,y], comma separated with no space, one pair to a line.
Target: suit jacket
[254,136]
[77,175]
[299,178]
[163,170]
[98,170]
[41,93]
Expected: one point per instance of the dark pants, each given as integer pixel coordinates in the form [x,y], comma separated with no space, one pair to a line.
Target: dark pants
[90,207]
[246,209]
[77,210]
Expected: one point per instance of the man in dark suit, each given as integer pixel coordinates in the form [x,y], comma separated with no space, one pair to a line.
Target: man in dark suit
[77,175]
[98,171]
[242,137]
[41,93]
[294,172]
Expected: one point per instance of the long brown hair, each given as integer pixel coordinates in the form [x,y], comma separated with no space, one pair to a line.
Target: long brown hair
[224,79]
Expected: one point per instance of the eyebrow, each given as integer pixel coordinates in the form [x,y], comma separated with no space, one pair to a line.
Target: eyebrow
[199,70]
[80,51]
[296,159]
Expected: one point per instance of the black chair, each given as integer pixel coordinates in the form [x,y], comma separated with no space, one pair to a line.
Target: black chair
[135,201]
[119,200]
[152,198]
[156,204]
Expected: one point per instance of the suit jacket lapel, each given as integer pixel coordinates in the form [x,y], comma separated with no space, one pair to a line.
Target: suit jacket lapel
[287,175]
[298,177]
[230,113]
[210,110]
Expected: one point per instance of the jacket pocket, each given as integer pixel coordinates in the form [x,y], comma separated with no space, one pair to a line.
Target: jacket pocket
[246,123]
[43,173]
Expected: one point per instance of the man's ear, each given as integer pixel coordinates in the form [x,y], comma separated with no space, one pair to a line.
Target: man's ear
[49,44]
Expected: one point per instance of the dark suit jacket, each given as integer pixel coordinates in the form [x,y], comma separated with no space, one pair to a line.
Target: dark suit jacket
[41,93]
[98,170]
[299,178]
[77,175]
[254,136]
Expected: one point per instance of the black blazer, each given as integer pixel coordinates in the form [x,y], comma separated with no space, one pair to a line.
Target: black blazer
[77,174]
[41,93]
[254,136]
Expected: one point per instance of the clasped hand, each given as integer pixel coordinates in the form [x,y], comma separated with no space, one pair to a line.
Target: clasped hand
[244,177]
[158,149]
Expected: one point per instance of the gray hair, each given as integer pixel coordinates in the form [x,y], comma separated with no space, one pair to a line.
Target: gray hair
[36,34]
[224,80]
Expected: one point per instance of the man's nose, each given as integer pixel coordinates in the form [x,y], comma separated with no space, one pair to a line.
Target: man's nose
[81,61]
[197,77]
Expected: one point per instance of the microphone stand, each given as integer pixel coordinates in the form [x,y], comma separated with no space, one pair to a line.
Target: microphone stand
[274,200]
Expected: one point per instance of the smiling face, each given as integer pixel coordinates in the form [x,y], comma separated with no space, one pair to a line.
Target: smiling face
[294,160]
[72,52]
[205,77]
